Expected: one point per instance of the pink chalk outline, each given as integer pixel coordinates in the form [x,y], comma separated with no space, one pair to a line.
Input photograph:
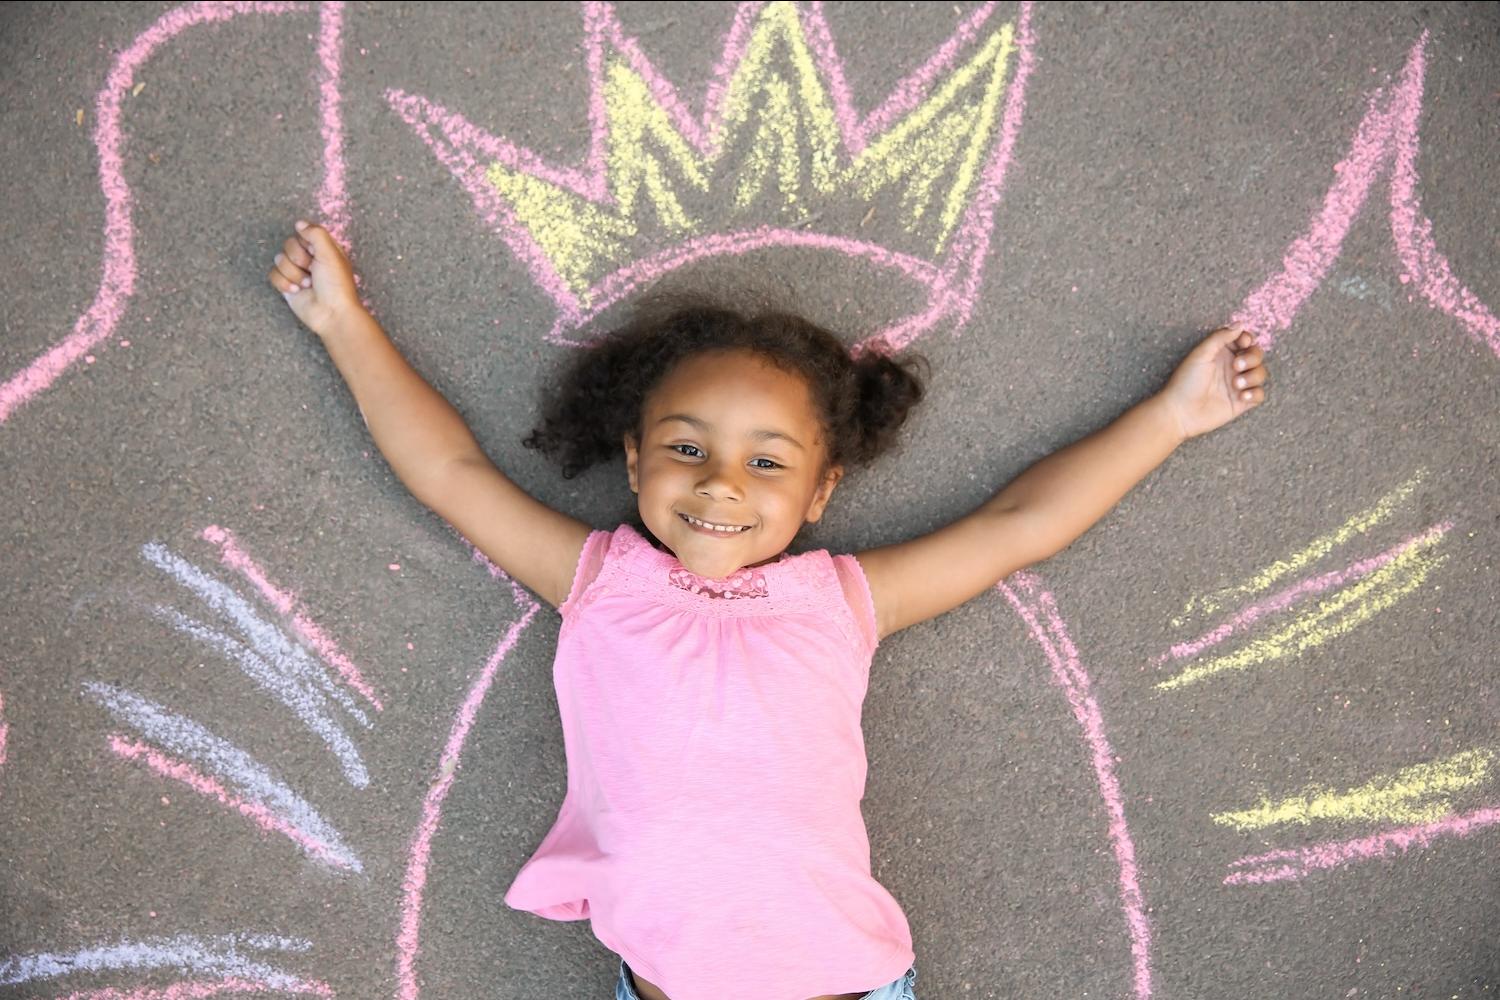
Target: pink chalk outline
[1387,132]
[118,284]
[170,767]
[952,283]
[1296,594]
[333,198]
[236,558]
[414,883]
[1306,860]
[1038,609]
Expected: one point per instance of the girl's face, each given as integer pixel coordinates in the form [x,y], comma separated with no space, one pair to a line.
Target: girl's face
[704,454]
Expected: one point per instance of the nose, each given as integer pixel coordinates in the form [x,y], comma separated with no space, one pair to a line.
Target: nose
[720,483]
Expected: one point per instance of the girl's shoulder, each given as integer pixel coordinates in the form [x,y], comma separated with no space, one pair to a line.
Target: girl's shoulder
[600,547]
[858,598]
[622,547]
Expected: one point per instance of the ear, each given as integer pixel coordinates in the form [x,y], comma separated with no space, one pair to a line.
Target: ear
[825,490]
[632,454]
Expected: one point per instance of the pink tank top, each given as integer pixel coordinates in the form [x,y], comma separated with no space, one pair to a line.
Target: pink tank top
[711,832]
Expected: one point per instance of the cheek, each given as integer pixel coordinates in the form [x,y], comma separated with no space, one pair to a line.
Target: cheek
[663,479]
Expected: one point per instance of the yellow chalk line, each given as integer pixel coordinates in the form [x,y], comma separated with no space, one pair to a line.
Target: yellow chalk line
[1317,549]
[1394,797]
[978,141]
[646,151]
[634,116]
[574,234]
[1308,630]
[922,144]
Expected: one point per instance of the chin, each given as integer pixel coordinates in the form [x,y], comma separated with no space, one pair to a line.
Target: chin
[716,570]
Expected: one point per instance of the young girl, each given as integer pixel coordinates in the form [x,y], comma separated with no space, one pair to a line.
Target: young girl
[710,682]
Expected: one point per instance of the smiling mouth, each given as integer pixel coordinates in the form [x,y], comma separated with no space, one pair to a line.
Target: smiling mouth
[703,528]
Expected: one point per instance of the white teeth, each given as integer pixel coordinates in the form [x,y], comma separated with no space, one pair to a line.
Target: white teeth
[728,530]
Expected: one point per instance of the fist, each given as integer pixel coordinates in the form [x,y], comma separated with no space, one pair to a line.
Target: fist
[314,276]
[1223,377]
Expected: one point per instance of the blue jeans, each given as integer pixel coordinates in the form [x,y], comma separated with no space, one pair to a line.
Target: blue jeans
[902,989]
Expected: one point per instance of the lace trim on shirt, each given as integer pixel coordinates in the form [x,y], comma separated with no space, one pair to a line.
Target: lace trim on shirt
[805,583]
[745,582]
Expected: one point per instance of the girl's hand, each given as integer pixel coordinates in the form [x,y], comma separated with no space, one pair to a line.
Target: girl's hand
[315,278]
[1220,379]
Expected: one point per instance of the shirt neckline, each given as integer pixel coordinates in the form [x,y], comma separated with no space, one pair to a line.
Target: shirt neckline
[767,580]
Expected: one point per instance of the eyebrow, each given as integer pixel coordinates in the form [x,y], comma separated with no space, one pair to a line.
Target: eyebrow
[761,435]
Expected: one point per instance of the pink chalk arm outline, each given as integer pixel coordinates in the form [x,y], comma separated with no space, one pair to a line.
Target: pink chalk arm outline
[118,282]
[1387,135]
[1036,606]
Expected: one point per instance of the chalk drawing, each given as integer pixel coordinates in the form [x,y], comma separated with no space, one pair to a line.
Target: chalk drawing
[206,786]
[1416,794]
[1038,609]
[1401,573]
[194,989]
[419,853]
[257,792]
[1299,592]
[117,284]
[1287,865]
[777,101]
[288,605]
[1359,524]
[1386,577]
[934,143]
[1386,139]
[275,663]
[333,198]
[4,731]
[219,955]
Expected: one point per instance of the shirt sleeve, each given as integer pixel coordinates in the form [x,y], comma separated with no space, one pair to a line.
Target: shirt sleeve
[590,561]
[857,595]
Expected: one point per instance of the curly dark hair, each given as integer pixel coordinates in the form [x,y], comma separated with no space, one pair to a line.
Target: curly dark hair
[600,394]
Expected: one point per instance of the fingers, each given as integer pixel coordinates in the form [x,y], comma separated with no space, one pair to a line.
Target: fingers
[1234,337]
[318,241]
[292,265]
[1249,373]
[297,252]
[293,277]
[1239,337]
[280,281]
[1251,378]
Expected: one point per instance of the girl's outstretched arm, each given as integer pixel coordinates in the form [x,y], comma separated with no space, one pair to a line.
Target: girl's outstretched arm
[421,434]
[416,429]
[1060,497]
